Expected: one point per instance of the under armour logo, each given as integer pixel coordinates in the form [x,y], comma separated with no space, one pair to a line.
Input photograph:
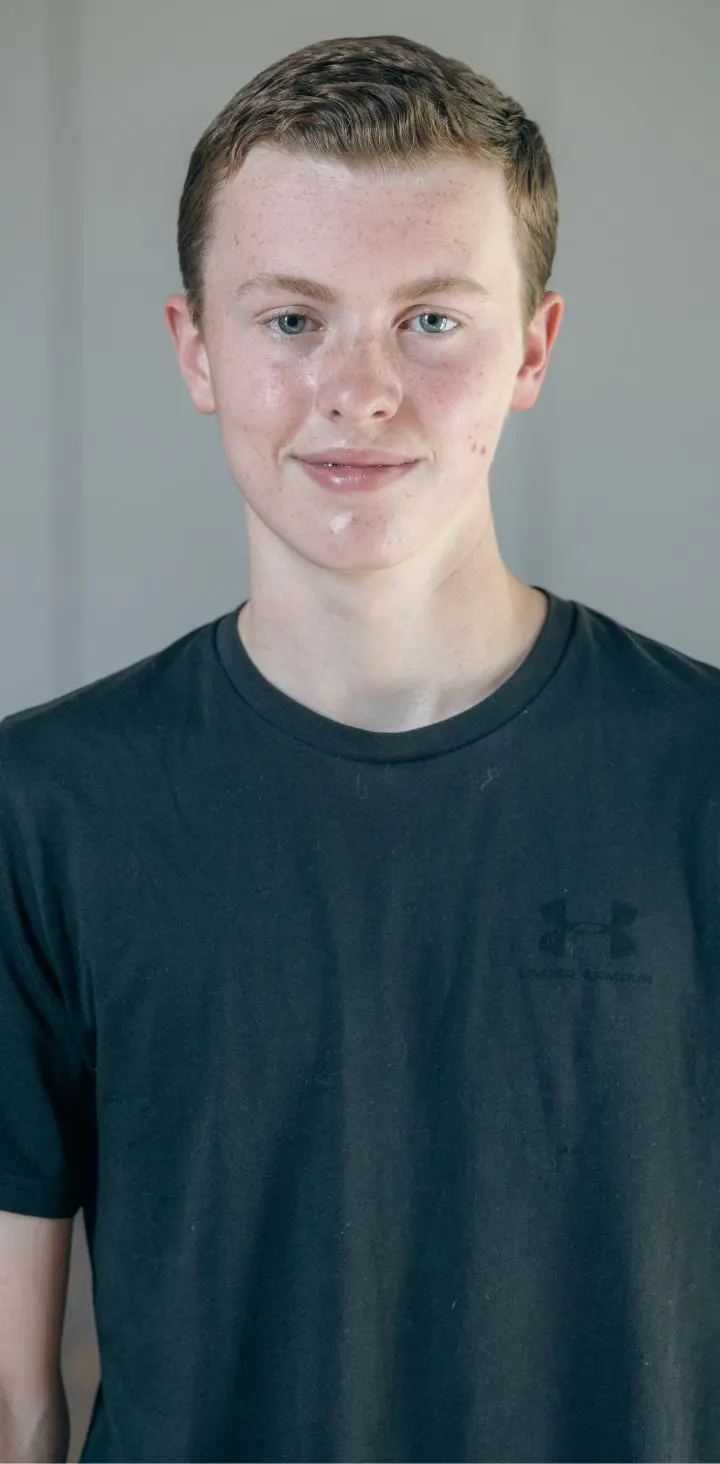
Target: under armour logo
[560,941]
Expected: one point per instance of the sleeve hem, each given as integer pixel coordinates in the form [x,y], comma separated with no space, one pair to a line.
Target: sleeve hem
[27,1197]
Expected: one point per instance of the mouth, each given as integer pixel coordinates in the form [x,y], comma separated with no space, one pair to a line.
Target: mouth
[354,475]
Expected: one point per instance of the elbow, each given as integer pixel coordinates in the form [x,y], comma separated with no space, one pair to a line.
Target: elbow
[42,1437]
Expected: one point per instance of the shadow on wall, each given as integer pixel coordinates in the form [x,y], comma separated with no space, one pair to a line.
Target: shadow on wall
[80,1360]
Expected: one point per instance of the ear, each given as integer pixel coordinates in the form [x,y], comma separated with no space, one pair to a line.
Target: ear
[191,353]
[539,338]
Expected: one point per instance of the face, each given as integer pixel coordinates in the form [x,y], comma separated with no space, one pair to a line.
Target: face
[431,376]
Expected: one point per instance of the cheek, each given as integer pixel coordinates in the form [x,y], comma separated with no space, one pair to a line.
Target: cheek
[258,409]
[253,390]
[481,375]
[470,404]
[275,392]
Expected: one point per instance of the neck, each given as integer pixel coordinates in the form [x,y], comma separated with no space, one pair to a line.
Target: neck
[394,663]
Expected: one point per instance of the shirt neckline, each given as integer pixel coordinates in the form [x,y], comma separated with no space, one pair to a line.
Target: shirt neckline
[323,733]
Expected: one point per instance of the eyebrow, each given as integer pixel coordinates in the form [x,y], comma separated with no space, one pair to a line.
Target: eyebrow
[312,289]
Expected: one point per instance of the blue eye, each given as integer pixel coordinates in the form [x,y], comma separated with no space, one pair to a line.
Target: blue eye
[286,316]
[432,315]
[424,315]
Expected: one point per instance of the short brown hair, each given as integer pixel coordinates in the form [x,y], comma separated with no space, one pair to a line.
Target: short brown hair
[375,101]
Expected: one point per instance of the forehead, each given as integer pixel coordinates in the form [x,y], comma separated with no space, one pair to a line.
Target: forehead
[450,212]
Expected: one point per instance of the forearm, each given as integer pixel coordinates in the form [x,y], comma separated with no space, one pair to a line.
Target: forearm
[43,1439]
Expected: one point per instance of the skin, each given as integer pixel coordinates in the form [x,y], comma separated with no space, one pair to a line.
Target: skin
[394,609]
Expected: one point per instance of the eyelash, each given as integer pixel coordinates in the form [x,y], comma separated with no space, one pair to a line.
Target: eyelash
[285,314]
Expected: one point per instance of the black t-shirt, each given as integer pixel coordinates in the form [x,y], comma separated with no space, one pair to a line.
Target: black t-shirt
[385,1067]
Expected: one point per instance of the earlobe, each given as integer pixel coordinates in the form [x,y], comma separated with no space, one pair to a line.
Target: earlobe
[191,354]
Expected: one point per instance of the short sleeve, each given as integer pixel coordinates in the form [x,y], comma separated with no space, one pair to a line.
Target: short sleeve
[45,1088]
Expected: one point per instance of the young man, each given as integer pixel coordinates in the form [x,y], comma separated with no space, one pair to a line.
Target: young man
[360,949]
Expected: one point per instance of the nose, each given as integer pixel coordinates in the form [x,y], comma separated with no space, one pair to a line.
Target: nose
[359,385]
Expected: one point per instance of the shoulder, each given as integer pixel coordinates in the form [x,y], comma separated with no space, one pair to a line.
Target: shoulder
[649,672]
[107,723]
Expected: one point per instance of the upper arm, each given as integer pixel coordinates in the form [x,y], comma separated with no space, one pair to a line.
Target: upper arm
[34,1270]
[47,1128]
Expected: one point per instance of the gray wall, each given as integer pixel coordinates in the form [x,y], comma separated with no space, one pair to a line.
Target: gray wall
[120,528]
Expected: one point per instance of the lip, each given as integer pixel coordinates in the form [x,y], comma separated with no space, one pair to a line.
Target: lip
[356,457]
[351,478]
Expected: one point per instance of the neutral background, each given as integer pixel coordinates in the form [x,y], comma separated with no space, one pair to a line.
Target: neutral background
[120,528]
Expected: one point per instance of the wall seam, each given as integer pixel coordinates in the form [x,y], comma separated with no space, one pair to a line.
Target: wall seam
[64,32]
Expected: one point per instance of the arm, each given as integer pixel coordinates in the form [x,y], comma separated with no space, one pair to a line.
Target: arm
[34,1270]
